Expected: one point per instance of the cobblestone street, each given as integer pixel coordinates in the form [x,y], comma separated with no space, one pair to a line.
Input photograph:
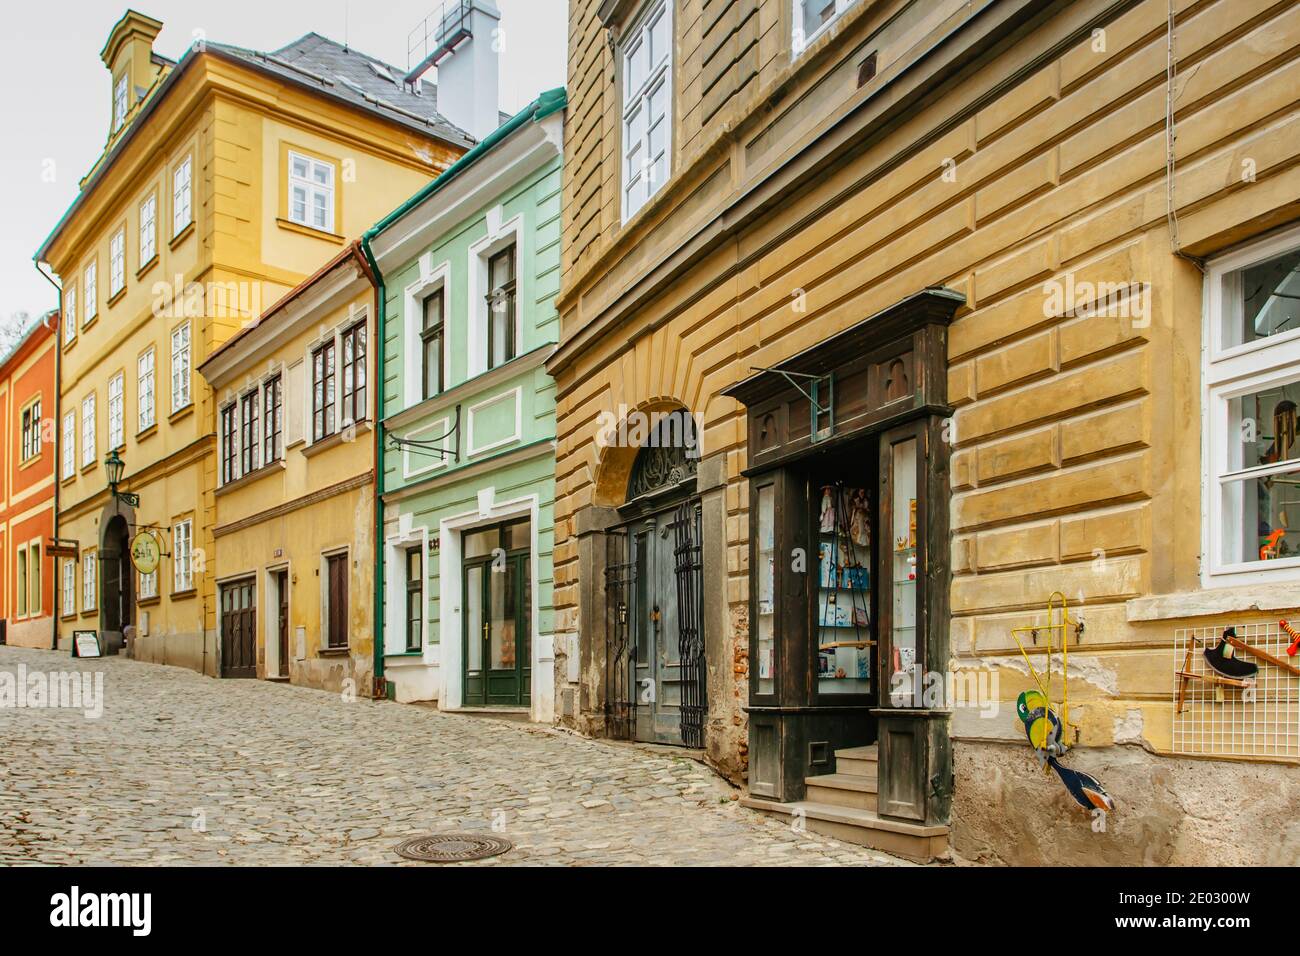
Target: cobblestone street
[183,769]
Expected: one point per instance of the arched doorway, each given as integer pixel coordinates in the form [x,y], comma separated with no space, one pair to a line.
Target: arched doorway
[116,582]
[655,668]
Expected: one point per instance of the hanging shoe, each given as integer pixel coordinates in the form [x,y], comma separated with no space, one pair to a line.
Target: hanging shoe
[1221,660]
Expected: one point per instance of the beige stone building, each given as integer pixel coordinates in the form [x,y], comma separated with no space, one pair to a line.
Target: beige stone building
[968,304]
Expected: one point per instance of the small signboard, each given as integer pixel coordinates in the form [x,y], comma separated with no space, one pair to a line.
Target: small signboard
[145,552]
[60,549]
[85,644]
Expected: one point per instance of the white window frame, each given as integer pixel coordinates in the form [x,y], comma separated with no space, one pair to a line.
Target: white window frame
[431,280]
[120,90]
[478,312]
[183,555]
[88,450]
[1230,372]
[799,42]
[70,443]
[182,367]
[148,584]
[22,581]
[148,229]
[29,422]
[311,191]
[68,604]
[89,582]
[632,100]
[117,262]
[90,282]
[70,314]
[146,396]
[182,196]
[117,411]
[35,599]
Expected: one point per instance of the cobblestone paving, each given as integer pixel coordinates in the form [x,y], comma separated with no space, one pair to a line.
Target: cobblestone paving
[184,769]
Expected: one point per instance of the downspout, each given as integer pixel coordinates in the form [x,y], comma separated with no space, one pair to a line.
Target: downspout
[378,280]
[58,435]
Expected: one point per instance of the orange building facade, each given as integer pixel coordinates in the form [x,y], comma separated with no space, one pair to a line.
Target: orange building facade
[27,396]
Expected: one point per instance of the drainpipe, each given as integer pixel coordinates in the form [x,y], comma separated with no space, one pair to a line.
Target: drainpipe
[58,435]
[380,297]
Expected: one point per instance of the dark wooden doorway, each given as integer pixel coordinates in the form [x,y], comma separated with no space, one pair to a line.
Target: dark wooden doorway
[239,629]
[117,579]
[282,620]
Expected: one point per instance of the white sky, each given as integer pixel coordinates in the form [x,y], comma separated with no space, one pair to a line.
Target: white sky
[54,89]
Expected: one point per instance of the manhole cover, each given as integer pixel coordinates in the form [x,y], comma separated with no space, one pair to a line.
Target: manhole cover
[453,847]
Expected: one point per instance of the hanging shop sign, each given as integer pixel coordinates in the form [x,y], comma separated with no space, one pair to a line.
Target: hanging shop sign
[145,552]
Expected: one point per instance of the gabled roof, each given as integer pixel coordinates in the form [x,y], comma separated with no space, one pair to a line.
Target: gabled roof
[348,74]
[311,62]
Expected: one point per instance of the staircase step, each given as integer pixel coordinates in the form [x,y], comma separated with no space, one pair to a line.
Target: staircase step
[859,760]
[912,841]
[843,790]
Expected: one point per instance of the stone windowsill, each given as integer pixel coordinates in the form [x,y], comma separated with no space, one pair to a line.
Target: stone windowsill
[1255,598]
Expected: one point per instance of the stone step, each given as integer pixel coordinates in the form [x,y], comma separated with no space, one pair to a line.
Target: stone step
[843,790]
[859,760]
[912,841]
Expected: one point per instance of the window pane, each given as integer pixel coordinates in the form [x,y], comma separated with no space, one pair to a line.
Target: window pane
[659,39]
[1265,423]
[902,668]
[766,590]
[1257,518]
[1264,299]
[636,66]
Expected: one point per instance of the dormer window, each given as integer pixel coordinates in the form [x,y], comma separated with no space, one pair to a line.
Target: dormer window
[119,102]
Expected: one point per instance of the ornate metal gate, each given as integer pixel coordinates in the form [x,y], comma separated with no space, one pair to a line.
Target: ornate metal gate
[620,649]
[689,566]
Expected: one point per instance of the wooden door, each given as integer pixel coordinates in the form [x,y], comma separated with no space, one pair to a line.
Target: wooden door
[498,631]
[239,629]
[336,566]
[282,619]
[657,670]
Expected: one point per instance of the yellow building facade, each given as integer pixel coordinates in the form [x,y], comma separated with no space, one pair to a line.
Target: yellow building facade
[294,516]
[227,177]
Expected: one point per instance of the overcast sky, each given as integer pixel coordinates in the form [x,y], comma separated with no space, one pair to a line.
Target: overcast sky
[54,89]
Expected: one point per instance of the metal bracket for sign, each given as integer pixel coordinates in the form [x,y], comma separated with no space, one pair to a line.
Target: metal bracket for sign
[431,446]
[817,411]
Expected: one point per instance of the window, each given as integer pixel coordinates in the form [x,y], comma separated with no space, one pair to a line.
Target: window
[145,413]
[22,580]
[149,585]
[248,434]
[354,374]
[322,391]
[647,61]
[31,440]
[272,424]
[336,600]
[148,229]
[811,17]
[311,192]
[70,444]
[183,555]
[229,444]
[89,280]
[89,565]
[116,412]
[431,337]
[70,314]
[35,603]
[117,262]
[182,214]
[119,102]
[1252,376]
[180,367]
[88,430]
[501,307]
[68,604]
[414,598]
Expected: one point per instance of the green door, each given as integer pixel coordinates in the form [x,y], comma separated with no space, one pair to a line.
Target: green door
[498,628]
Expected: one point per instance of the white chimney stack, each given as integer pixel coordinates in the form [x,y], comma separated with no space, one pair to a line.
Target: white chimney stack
[467,77]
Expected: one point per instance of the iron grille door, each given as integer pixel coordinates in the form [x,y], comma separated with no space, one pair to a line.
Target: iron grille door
[620,585]
[689,565]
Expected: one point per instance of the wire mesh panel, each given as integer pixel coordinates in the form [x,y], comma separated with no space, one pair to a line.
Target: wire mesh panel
[1254,716]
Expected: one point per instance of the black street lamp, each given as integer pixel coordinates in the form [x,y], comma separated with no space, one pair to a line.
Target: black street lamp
[113,466]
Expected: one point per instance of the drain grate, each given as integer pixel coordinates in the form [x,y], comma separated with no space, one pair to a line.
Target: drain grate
[452,847]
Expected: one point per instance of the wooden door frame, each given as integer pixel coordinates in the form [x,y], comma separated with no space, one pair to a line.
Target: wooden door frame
[273,572]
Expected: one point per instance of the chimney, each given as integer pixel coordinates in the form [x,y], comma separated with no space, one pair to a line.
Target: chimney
[467,76]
